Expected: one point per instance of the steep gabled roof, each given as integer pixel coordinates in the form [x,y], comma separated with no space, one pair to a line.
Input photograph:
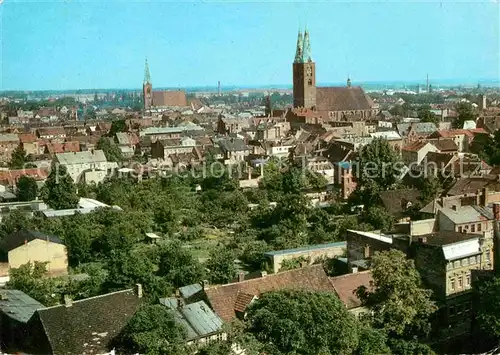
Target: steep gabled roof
[16,239]
[223,299]
[346,286]
[342,99]
[88,325]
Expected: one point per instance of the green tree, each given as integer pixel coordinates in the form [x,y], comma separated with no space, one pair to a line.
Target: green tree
[378,217]
[177,265]
[372,341]
[110,149]
[31,278]
[152,330]
[303,322]
[59,191]
[380,163]
[488,306]
[221,265]
[27,188]
[117,126]
[399,303]
[426,115]
[465,112]
[18,158]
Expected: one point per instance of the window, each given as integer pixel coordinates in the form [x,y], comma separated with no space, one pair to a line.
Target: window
[460,282]
[452,284]
[488,255]
[479,227]
[472,260]
[473,228]
[457,263]
[467,280]
[367,251]
[460,229]
[449,266]
[465,262]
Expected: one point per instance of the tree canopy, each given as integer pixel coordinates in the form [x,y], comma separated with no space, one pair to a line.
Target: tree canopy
[27,188]
[59,191]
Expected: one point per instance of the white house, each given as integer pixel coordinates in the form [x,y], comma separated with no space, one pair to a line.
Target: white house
[86,166]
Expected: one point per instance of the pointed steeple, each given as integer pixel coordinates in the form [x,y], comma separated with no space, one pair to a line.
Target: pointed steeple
[147,76]
[306,53]
[298,51]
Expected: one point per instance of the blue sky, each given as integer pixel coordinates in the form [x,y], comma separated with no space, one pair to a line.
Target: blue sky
[102,44]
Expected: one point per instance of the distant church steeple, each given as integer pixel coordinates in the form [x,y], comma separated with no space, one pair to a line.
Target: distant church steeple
[306,52]
[348,82]
[299,49]
[304,74]
[147,75]
[147,88]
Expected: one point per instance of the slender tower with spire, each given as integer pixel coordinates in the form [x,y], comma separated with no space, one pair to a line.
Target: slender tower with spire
[147,88]
[304,74]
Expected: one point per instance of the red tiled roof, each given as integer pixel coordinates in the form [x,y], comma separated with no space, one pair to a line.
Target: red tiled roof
[56,148]
[415,147]
[11,176]
[170,98]
[243,300]
[27,138]
[51,131]
[342,99]
[346,285]
[455,132]
[223,298]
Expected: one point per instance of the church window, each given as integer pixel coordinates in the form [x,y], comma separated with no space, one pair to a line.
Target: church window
[310,82]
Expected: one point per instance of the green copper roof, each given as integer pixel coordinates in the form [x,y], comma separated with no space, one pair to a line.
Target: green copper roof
[147,76]
[306,51]
[298,52]
[303,51]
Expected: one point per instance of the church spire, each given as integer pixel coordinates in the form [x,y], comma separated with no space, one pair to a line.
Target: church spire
[147,76]
[298,52]
[306,54]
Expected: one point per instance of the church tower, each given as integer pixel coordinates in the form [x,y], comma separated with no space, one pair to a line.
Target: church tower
[304,74]
[147,88]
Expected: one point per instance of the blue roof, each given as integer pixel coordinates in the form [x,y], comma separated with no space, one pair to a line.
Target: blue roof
[197,318]
[17,305]
[308,248]
[190,290]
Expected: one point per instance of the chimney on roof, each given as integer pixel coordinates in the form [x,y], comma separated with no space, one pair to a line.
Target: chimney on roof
[422,240]
[241,276]
[263,274]
[354,269]
[68,302]
[138,290]
[180,304]
[454,207]
[204,284]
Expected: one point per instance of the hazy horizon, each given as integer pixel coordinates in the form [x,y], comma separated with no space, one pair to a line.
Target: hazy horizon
[88,45]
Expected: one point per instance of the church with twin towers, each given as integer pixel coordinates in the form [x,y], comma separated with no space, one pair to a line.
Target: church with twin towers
[322,104]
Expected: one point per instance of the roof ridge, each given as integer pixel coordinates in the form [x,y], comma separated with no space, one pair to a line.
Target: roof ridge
[88,298]
[313,266]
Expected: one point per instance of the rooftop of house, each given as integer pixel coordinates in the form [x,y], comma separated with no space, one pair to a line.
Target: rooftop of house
[223,298]
[85,157]
[16,239]
[346,285]
[470,185]
[88,326]
[415,146]
[17,305]
[9,137]
[197,318]
[233,145]
[342,99]
[308,248]
[443,238]
[389,135]
[468,214]
[421,128]
[397,202]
